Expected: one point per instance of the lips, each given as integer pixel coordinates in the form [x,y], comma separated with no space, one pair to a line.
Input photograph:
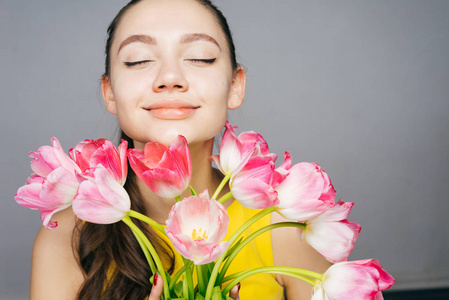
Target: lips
[171,109]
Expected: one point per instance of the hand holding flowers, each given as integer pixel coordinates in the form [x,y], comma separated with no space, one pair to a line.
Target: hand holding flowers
[92,179]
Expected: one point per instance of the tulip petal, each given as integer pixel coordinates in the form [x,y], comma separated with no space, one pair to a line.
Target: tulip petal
[253,193]
[165,170]
[282,171]
[28,196]
[216,160]
[62,158]
[136,157]
[123,148]
[196,226]
[154,153]
[231,151]
[101,199]
[331,234]
[318,292]
[43,161]
[163,182]
[108,156]
[334,241]
[90,153]
[251,185]
[249,138]
[303,209]
[180,148]
[47,214]
[205,255]
[362,279]
[305,193]
[59,187]
[182,243]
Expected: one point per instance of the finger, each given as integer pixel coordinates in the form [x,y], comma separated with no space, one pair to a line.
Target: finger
[156,291]
[234,293]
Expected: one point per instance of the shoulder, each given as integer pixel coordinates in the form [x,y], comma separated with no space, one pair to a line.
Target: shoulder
[55,272]
[289,250]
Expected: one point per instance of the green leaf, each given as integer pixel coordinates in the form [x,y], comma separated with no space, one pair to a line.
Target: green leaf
[198,296]
[178,289]
[216,293]
[168,278]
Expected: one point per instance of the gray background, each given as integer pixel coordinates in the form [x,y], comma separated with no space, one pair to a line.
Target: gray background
[360,87]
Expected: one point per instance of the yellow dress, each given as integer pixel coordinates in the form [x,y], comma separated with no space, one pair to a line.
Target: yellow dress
[258,253]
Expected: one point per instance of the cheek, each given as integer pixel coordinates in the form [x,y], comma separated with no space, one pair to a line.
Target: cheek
[128,90]
[214,88]
[126,99]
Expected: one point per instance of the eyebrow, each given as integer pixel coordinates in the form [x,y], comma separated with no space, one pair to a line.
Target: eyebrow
[146,39]
[193,37]
[186,38]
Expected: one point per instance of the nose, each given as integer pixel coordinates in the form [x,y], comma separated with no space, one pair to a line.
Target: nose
[170,77]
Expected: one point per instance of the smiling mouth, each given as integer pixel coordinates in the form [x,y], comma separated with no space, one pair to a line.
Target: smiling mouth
[171,110]
[172,113]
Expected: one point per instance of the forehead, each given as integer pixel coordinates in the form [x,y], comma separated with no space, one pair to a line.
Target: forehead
[168,19]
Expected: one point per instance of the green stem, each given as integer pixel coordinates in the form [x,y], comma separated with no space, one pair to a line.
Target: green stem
[220,187]
[192,191]
[188,281]
[185,287]
[147,220]
[249,239]
[292,274]
[145,251]
[233,238]
[200,272]
[290,271]
[179,273]
[153,253]
[225,198]
[178,198]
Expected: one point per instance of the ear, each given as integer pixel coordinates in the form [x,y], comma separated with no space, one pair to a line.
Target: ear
[108,95]
[237,93]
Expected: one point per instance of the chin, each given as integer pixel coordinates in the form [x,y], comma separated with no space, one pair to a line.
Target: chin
[168,136]
[166,133]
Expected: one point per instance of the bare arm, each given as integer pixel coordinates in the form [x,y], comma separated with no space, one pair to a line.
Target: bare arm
[55,273]
[289,250]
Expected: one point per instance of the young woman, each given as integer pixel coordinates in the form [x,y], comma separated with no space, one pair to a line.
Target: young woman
[170,69]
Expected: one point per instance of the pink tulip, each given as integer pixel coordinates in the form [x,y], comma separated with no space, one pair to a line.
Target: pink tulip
[100,198]
[253,186]
[361,279]
[165,170]
[89,153]
[53,185]
[331,234]
[305,193]
[196,226]
[235,151]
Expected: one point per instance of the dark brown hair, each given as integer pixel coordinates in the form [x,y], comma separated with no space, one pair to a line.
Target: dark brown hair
[110,257]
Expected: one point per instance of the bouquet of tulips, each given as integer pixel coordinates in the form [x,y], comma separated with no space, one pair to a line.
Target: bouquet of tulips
[92,176]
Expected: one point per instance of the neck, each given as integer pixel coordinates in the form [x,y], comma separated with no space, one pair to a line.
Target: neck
[203,177]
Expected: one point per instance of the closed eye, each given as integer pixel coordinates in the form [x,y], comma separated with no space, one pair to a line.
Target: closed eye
[136,63]
[207,61]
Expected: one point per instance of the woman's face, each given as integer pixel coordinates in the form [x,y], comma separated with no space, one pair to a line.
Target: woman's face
[171,73]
